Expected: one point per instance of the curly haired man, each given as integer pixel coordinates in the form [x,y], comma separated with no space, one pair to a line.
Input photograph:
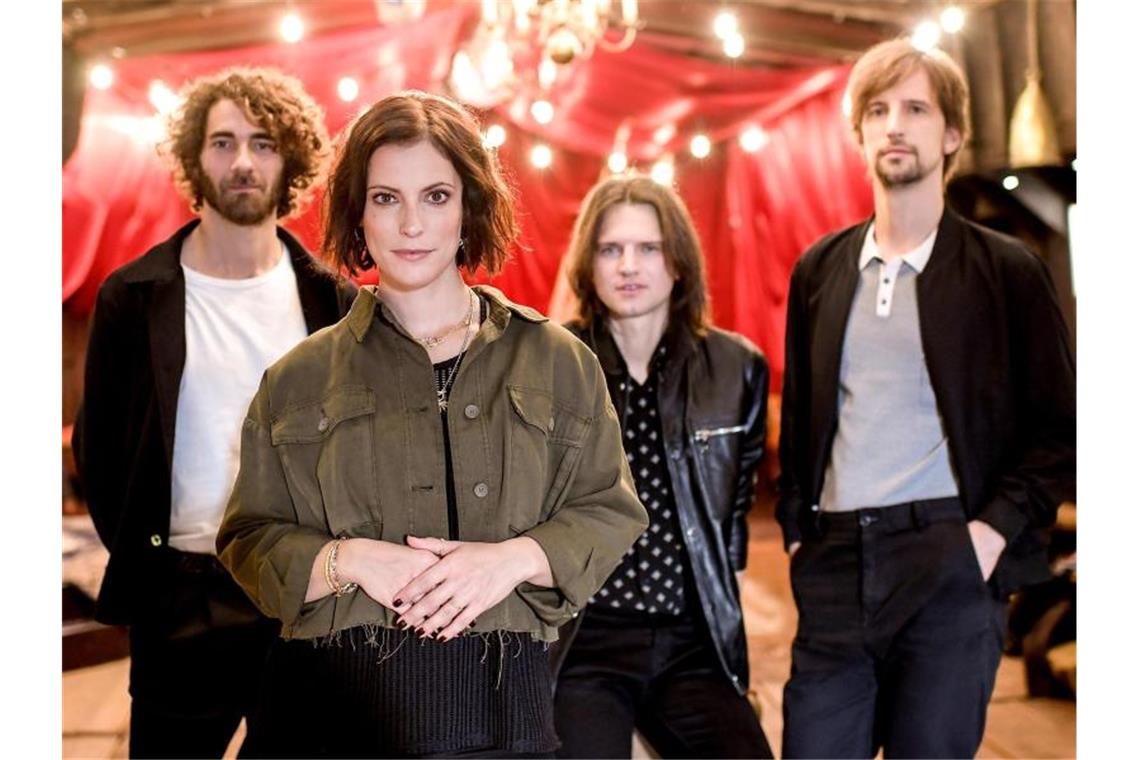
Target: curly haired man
[179,340]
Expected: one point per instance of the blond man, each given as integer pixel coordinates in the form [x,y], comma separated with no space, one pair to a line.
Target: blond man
[927,438]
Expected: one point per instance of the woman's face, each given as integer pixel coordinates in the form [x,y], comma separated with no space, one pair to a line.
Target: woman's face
[413,214]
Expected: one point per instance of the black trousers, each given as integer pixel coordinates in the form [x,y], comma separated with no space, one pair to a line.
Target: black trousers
[664,679]
[899,637]
[196,661]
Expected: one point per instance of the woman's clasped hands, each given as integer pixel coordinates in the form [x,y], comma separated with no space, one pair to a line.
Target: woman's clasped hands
[439,587]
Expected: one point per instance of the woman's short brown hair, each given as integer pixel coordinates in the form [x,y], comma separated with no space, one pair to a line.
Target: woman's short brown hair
[689,301]
[888,63]
[275,102]
[489,226]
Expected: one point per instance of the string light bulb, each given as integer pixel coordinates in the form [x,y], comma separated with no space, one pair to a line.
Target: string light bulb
[1011,182]
[292,29]
[753,139]
[541,157]
[542,111]
[952,19]
[725,24]
[662,171]
[162,97]
[617,162]
[347,89]
[926,36]
[101,76]
[700,146]
[734,45]
[495,136]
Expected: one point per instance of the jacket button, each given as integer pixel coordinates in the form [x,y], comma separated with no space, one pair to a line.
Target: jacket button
[675,452]
[156,540]
[481,490]
[470,411]
[323,425]
[691,532]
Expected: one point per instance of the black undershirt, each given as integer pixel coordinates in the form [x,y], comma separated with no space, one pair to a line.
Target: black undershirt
[442,370]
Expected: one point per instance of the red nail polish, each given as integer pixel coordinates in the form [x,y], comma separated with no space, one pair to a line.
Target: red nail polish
[398,602]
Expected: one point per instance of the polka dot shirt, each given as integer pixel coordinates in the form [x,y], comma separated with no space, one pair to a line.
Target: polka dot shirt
[651,577]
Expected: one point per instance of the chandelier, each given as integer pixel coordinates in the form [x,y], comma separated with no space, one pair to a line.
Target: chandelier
[566,29]
[511,32]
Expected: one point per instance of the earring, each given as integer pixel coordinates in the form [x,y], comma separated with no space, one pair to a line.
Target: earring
[364,256]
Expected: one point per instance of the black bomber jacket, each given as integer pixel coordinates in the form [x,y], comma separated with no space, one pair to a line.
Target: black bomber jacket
[1004,378]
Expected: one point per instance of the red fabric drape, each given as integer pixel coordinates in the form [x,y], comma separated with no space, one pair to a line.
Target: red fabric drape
[755,212]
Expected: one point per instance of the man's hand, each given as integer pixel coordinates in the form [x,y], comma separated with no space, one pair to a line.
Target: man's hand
[988,545]
[470,578]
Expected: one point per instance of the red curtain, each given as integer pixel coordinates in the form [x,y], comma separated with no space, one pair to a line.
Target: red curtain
[756,212]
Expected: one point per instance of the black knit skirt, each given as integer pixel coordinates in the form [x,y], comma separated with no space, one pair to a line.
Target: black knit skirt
[379,692]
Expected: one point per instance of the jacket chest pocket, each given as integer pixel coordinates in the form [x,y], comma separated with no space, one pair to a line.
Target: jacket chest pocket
[709,438]
[545,443]
[716,457]
[327,450]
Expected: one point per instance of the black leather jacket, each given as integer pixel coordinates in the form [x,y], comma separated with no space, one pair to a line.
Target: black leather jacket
[713,397]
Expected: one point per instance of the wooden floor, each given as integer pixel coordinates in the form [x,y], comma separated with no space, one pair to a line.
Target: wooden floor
[96,706]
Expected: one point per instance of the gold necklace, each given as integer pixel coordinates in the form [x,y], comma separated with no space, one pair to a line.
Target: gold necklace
[432,341]
[441,391]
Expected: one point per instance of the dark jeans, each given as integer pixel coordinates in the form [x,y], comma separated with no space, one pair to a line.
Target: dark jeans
[196,662]
[664,679]
[899,637]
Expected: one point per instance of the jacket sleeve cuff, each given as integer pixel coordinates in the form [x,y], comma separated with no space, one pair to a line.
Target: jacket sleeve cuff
[1005,517]
[548,604]
[571,569]
[278,580]
[290,567]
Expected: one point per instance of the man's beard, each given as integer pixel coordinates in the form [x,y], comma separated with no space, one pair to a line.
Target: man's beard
[910,174]
[245,209]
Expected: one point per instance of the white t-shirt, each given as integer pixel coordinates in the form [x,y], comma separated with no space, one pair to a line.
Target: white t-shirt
[234,330]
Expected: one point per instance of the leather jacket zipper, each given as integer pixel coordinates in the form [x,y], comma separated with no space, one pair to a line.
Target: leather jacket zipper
[703,435]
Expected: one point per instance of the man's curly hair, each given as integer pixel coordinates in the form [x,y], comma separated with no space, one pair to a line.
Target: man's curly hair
[270,99]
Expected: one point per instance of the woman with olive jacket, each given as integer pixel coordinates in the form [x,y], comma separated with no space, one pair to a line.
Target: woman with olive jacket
[432,486]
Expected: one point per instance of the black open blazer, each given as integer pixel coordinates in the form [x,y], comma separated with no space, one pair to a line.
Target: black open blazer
[124,433]
[1003,375]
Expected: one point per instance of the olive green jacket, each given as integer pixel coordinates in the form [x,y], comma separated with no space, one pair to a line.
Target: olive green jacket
[344,439]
